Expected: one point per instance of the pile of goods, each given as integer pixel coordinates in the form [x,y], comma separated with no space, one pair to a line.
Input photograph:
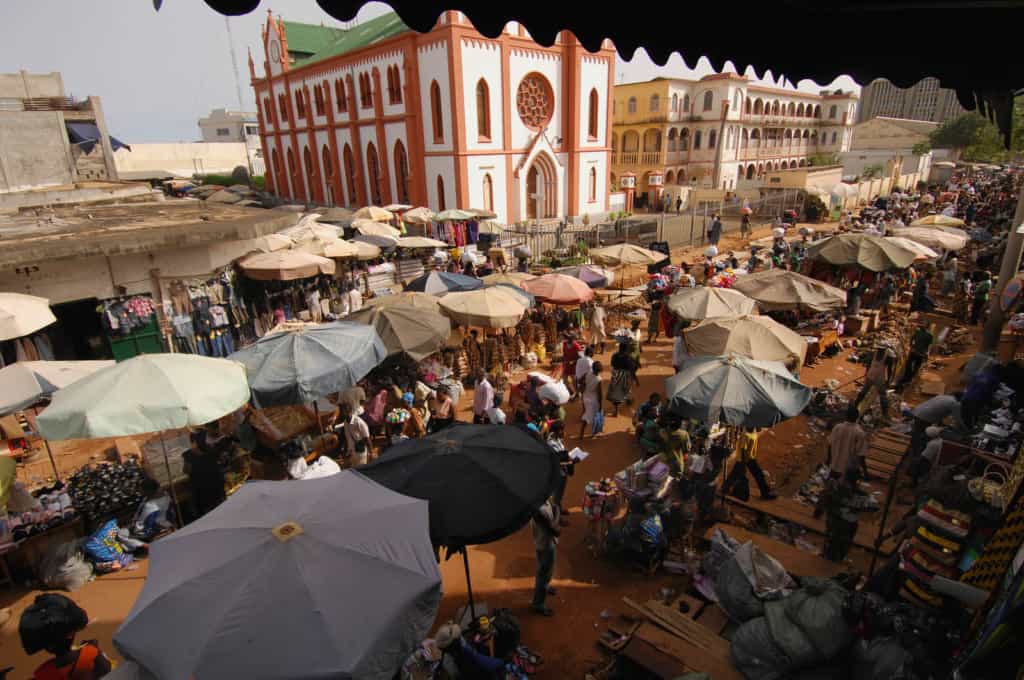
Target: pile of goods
[99,490]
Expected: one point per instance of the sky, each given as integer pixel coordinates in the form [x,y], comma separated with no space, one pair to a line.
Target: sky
[157,73]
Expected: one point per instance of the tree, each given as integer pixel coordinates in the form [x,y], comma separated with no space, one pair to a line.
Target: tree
[921,148]
[872,171]
[957,133]
[820,159]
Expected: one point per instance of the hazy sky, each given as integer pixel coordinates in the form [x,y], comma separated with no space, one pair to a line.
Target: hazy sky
[159,72]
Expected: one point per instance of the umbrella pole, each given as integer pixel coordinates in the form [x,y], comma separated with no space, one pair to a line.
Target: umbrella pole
[469,583]
[49,451]
[316,415]
[170,482]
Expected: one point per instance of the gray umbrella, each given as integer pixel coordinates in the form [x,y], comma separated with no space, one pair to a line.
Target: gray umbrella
[323,578]
[736,390]
[299,366]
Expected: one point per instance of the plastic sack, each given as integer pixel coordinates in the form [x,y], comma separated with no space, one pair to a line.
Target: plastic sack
[722,548]
[766,575]
[817,609]
[63,567]
[735,594]
[755,653]
[103,546]
[788,636]
[556,392]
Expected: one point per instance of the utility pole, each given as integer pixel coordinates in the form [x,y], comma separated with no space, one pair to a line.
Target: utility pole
[238,93]
[1007,270]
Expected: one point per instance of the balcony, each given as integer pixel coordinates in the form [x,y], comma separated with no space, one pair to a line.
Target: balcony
[638,158]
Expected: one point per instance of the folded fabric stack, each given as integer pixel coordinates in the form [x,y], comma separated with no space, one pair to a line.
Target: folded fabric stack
[934,550]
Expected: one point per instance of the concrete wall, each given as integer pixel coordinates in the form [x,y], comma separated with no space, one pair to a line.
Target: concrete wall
[25,85]
[855,162]
[184,159]
[34,150]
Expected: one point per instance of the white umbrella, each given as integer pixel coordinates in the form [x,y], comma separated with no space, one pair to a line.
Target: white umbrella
[933,238]
[371,228]
[21,315]
[374,213]
[27,382]
[379,240]
[420,242]
[923,251]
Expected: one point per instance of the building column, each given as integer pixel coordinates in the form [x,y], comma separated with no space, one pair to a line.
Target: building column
[382,140]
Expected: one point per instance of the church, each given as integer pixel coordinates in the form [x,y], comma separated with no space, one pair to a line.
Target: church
[379,113]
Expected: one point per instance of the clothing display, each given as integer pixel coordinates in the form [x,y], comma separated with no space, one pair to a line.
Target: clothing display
[126,315]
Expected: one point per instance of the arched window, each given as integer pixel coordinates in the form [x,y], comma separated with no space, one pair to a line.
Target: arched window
[440,194]
[350,175]
[791,109]
[593,185]
[832,111]
[833,137]
[750,171]
[744,138]
[401,172]
[435,112]
[279,181]
[696,140]
[817,111]
[686,102]
[684,139]
[300,106]
[488,193]
[592,115]
[758,107]
[318,100]
[307,158]
[293,170]
[800,110]
[712,138]
[483,111]
[631,106]
[373,167]
[709,100]
[394,85]
[655,102]
[675,103]
[746,106]
[328,169]
[339,95]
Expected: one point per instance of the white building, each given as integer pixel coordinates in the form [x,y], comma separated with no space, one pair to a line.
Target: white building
[380,113]
[223,126]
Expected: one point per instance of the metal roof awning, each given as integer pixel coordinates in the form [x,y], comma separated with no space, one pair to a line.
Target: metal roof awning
[85,136]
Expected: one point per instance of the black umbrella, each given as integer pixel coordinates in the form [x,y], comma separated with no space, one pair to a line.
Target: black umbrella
[483,482]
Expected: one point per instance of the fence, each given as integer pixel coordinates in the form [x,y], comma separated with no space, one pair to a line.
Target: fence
[543,237]
[690,227]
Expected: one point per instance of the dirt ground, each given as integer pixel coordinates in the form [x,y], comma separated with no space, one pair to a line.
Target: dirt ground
[502,572]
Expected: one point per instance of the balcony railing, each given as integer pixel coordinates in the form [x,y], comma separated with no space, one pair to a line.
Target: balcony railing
[638,158]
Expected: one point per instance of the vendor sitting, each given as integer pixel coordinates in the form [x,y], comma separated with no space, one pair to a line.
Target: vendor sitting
[641,533]
[155,514]
[311,466]
[460,660]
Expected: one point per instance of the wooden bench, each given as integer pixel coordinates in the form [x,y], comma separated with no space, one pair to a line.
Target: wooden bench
[796,561]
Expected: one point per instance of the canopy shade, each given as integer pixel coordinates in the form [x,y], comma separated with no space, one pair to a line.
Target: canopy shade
[626,254]
[86,135]
[990,28]
[397,207]
[285,265]
[481,213]
[21,315]
[323,578]
[371,228]
[374,214]
[27,382]
[514,278]
[310,362]
[937,221]
[406,298]
[933,238]
[559,289]
[415,331]
[778,289]
[483,482]
[420,242]
[590,274]
[147,393]
[492,228]
[923,251]
[439,283]
[754,337]
[875,253]
[491,307]
[418,216]
[703,302]
[453,215]
[736,390]
[378,240]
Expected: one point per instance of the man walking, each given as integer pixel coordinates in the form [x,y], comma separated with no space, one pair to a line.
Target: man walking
[848,444]
[715,230]
[679,203]
[483,396]
[879,376]
[545,538]
[920,344]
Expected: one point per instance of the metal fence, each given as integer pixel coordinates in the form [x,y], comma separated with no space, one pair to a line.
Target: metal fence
[689,228]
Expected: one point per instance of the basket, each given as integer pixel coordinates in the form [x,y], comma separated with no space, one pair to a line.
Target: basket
[989,487]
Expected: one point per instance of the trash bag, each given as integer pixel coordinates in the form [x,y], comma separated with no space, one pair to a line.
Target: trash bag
[64,567]
[788,636]
[735,594]
[722,548]
[755,653]
[766,575]
[882,658]
[817,610]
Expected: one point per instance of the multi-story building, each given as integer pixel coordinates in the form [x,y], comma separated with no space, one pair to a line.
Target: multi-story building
[449,118]
[223,126]
[923,101]
[721,131]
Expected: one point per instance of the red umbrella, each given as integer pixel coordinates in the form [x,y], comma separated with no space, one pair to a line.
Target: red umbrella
[559,289]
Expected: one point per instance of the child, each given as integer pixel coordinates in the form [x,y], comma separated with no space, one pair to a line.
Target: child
[154,514]
[50,623]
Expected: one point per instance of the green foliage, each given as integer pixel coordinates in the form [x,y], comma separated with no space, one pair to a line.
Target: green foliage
[820,159]
[957,133]
[258,182]
[921,148]
[872,171]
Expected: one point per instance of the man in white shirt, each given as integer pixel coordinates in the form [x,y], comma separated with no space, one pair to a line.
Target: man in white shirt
[584,364]
[679,352]
[358,444]
[483,396]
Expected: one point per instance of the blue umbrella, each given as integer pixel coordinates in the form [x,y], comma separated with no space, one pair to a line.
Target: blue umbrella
[299,366]
[528,298]
[439,283]
[324,578]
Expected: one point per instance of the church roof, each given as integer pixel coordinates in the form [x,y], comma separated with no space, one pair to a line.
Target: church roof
[312,43]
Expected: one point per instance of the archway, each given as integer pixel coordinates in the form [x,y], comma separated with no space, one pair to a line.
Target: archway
[758,107]
[279,179]
[630,141]
[652,141]
[373,167]
[755,137]
[670,178]
[541,189]
[750,171]
[684,139]
[672,139]
[328,170]
[401,172]
[350,175]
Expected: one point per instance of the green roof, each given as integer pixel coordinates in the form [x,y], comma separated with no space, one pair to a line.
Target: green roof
[322,42]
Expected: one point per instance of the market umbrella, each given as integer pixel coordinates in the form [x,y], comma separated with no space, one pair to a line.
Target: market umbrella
[25,383]
[778,289]
[406,299]
[590,274]
[736,390]
[371,228]
[309,362]
[514,278]
[309,229]
[481,213]
[923,251]
[559,289]
[754,337]
[147,393]
[453,215]
[324,578]
[379,240]
[285,265]
[418,216]
[363,251]
[273,242]
[492,228]
[938,221]
[21,315]
[374,214]
[703,302]
[415,331]
[626,254]
[874,253]
[337,215]
[397,207]
[933,238]
[420,242]
[492,307]
[483,482]
[439,283]
[529,300]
